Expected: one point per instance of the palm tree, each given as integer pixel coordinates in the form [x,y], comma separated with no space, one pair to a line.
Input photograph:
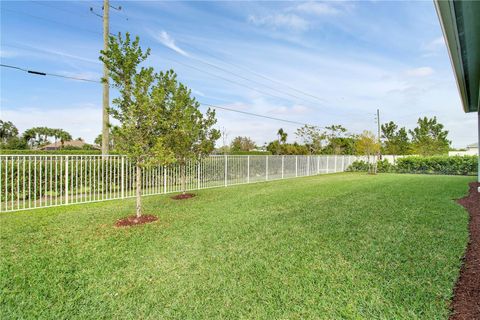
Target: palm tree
[282,136]
[64,136]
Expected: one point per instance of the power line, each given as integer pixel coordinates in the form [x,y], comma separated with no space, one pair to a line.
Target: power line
[45,4]
[277,81]
[41,73]
[257,74]
[226,79]
[247,79]
[51,21]
[254,114]
[201,61]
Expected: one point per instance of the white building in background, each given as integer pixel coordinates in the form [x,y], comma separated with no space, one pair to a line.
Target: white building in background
[471,150]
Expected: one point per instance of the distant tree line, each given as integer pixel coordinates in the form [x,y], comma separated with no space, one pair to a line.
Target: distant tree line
[34,138]
[427,138]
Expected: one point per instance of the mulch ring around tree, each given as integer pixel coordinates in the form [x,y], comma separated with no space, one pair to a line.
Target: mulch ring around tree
[183,196]
[466,294]
[133,220]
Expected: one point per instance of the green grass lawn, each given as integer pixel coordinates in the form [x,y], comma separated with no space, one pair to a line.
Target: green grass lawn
[347,246]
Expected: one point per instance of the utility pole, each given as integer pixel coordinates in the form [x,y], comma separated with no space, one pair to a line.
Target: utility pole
[106,87]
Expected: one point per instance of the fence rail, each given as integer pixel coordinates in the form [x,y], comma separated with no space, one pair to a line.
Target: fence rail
[38,181]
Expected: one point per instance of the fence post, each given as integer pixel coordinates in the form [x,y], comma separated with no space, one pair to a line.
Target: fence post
[335,163]
[296,166]
[226,171]
[248,169]
[283,161]
[266,167]
[164,179]
[198,175]
[308,165]
[66,180]
[123,177]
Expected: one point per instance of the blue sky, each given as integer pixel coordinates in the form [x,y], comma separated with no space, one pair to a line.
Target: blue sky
[320,63]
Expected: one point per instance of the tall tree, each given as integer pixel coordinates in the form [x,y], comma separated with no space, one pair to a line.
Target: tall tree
[242,144]
[190,134]
[429,137]
[140,106]
[312,137]
[396,140]
[334,135]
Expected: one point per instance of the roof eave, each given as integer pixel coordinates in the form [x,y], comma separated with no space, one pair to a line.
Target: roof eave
[448,22]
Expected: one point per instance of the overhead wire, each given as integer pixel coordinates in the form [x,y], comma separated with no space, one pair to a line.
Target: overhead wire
[42,73]
[254,114]
[52,21]
[182,63]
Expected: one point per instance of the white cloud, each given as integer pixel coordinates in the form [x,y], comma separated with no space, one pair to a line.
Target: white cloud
[420,72]
[317,8]
[280,21]
[435,44]
[164,38]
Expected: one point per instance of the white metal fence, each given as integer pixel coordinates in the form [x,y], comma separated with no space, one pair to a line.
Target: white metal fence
[37,181]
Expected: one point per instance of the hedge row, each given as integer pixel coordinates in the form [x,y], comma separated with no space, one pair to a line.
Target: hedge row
[457,165]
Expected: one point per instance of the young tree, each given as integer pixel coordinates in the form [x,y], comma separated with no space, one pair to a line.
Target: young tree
[242,144]
[396,140]
[429,138]
[190,135]
[140,106]
[367,144]
[312,137]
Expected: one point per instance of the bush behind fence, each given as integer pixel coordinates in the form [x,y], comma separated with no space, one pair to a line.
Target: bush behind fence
[35,181]
[455,165]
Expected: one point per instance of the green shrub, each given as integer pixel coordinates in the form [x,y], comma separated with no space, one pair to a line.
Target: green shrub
[465,165]
[457,165]
[363,166]
[358,166]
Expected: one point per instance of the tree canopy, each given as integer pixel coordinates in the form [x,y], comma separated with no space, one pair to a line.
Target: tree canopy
[312,137]
[429,137]
[242,144]
[396,140]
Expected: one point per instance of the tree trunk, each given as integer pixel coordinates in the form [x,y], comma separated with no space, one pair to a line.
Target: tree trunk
[183,178]
[139,191]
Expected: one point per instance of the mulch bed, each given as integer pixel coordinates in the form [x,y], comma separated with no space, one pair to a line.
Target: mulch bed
[466,294]
[133,220]
[183,196]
